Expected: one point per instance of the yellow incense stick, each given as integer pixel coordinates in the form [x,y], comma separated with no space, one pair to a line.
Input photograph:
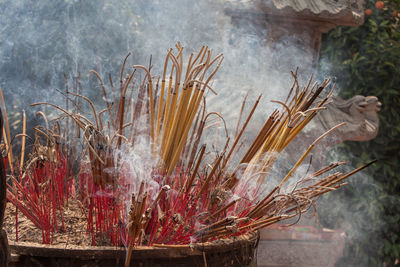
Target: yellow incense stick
[23,140]
[6,129]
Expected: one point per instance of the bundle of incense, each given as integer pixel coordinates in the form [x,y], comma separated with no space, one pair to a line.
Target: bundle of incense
[190,194]
[39,187]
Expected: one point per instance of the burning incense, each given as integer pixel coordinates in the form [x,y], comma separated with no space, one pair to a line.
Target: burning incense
[180,192]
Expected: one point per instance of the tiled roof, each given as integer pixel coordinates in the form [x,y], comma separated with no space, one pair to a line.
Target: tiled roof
[349,12]
[316,6]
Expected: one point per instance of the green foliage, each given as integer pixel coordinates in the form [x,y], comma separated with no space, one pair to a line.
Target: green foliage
[366,61]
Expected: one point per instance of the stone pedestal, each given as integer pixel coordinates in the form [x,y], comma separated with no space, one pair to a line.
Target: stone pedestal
[300,246]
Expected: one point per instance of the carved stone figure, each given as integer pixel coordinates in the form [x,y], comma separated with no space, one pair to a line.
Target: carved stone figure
[359,113]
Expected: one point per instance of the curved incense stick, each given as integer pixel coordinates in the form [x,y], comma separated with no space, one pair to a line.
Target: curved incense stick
[91,105]
[301,159]
[103,88]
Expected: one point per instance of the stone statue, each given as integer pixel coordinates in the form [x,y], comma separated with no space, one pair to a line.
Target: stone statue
[359,113]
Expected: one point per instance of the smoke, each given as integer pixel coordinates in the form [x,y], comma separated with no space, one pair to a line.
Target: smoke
[357,210]
[41,41]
